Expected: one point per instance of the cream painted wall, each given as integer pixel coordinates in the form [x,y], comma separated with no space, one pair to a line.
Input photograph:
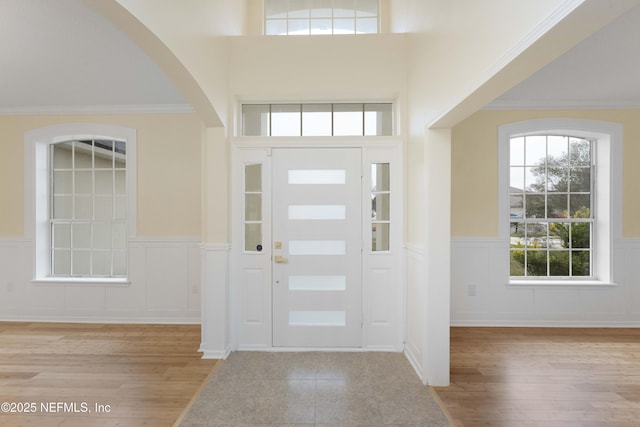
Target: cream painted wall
[338,68]
[215,187]
[414,190]
[168,170]
[468,41]
[475,167]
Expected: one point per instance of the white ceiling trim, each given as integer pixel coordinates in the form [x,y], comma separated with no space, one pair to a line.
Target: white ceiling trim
[562,105]
[98,109]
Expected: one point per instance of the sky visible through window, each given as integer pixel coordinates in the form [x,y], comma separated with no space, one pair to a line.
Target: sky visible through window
[535,154]
[317,119]
[321,17]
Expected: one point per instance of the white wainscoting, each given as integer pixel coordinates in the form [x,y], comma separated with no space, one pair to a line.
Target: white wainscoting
[164,287]
[415,313]
[216,339]
[481,297]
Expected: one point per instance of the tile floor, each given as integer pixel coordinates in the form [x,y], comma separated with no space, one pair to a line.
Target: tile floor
[315,389]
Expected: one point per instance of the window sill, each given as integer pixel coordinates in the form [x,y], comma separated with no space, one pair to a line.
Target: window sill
[81,281]
[558,283]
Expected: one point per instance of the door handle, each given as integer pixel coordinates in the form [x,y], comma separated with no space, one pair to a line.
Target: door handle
[280,260]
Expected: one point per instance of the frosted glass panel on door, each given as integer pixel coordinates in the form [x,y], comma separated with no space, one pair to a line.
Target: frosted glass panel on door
[252,236]
[317,176]
[253,178]
[380,207]
[317,318]
[380,237]
[380,177]
[317,283]
[317,247]
[317,212]
[253,207]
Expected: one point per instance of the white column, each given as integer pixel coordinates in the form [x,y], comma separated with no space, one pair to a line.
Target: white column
[216,339]
[437,162]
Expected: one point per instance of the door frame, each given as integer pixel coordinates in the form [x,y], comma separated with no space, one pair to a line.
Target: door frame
[250,275]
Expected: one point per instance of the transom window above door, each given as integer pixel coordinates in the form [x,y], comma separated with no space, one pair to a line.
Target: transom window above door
[304,17]
[374,119]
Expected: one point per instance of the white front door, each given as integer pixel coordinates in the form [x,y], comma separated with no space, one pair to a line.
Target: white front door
[317,247]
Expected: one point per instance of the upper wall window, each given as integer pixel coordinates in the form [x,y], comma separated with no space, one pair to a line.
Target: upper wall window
[80,201]
[317,119]
[88,208]
[550,194]
[303,17]
[560,200]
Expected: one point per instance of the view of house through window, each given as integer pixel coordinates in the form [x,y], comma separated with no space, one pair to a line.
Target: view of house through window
[380,206]
[375,119]
[88,208]
[303,17]
[551,206]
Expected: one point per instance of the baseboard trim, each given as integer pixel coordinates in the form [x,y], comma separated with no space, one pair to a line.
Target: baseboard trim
[215,354]
[413,360]
[543,324]
[320,349]
[108,320]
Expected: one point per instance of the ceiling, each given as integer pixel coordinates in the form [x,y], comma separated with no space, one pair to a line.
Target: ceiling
[603,71]
[61,56]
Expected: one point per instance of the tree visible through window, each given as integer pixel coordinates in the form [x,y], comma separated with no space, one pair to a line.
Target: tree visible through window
[551,199]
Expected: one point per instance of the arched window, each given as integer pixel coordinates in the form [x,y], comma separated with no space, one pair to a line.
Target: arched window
[560,199]
[303,17]
[80,205]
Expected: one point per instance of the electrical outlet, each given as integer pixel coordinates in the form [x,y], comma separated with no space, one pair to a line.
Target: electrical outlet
[471,290]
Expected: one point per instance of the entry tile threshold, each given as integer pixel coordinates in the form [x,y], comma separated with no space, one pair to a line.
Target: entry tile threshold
[315,389]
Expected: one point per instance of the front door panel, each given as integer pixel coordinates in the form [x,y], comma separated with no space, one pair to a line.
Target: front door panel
[317,247]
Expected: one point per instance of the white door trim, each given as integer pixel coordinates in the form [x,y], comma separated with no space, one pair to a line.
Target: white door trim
[382,272]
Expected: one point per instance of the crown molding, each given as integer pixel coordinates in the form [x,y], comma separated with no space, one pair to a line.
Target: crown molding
[97,109]
[563,105]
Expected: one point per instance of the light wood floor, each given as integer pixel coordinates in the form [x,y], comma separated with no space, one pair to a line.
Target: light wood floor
[147,375]
[142,375]
[544,377]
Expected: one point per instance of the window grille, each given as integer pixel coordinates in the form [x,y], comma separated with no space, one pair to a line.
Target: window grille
[348,119]
[88,208]
[551,206]
[304,17]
